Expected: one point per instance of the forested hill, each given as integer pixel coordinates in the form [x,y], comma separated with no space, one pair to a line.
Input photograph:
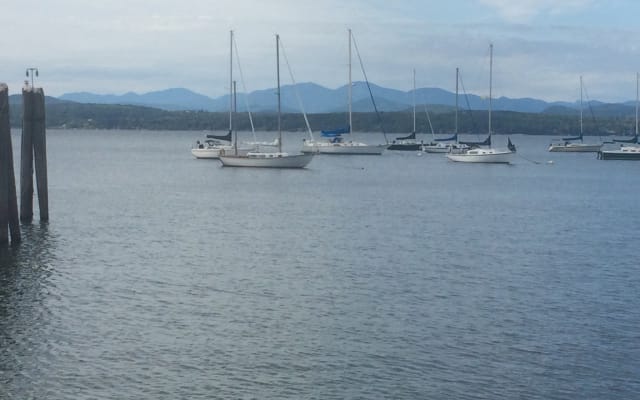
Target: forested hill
[70,115]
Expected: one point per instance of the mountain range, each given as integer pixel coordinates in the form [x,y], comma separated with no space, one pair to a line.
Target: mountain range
[509,117]
[319,99]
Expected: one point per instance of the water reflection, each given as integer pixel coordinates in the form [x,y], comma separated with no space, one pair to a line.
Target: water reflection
[25,286]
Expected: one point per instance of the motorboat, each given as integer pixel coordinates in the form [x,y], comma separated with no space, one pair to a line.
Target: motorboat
[623,153]
[572,147]
[630,149]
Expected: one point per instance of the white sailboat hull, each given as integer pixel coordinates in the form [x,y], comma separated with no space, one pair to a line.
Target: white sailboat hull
[209,152]
[575,147]
[267,160]
[342,148]
[213,153]
[489,156]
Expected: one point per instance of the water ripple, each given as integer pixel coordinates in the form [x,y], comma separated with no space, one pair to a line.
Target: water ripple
[395,277]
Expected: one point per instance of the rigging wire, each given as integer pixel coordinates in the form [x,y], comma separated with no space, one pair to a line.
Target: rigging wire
[426,111]
[369,87]
[466,98]
[295,89]
[429,120]
[244,88]
[593,117]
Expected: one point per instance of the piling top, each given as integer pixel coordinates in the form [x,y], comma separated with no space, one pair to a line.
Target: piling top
[3,86]
[30,89]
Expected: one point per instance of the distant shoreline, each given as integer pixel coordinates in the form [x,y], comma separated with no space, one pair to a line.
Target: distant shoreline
[68,115]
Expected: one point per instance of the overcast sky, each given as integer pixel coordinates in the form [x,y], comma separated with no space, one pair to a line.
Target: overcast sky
[541,47]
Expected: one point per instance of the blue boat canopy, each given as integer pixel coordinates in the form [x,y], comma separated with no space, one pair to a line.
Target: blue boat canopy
[336,132]
[226,137]
[449,139]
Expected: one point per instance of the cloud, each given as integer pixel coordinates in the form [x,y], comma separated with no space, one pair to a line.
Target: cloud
[113,47]
[525,10]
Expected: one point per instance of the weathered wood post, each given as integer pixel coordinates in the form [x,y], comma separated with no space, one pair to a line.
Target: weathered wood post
[40,154]
[26,157]
[8,199]
[34,147]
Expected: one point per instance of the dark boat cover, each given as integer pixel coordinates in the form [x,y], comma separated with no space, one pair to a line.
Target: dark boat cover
[511,146]
[411,136]
[486,142]
[572,138]
[449,139]
[226,137]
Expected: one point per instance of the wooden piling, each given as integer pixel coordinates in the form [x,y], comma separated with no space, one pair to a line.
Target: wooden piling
[8,199]
[39,139]
[26,156]
[34,148]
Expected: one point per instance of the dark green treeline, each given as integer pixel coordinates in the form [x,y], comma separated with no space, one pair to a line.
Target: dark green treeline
[105,116]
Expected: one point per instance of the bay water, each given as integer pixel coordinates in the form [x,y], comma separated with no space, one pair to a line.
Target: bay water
[398,276]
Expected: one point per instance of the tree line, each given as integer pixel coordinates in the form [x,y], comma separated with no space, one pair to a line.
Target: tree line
[106,116]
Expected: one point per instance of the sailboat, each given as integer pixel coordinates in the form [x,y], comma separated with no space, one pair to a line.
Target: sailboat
[448,144]
[260,159]
[630,149]
[408,143]
[213,145]
[485,155]
[568,144]
[335,142]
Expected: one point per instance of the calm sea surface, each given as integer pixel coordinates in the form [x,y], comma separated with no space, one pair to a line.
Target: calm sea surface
[393,277]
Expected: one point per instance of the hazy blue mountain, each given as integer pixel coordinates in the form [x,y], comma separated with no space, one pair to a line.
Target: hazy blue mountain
[319,99]
[169,99]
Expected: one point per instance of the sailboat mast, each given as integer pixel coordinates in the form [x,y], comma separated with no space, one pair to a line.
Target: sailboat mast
[490,82]
[235,110]
[231,81]
[279,107]
[457,80]
[414,100]
[349,96]
[581,106]
[637,95]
